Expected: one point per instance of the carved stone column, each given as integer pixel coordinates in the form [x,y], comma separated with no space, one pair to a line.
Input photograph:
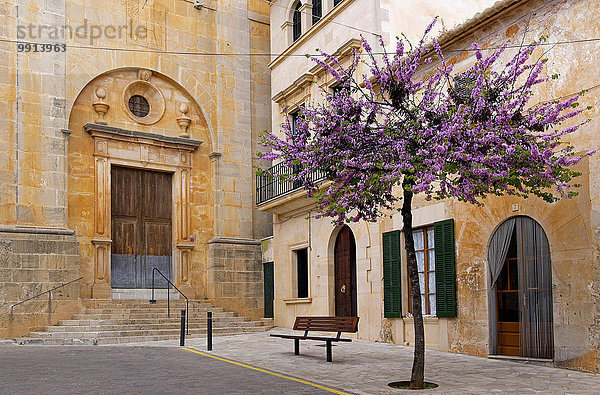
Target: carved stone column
[183,204]
[185,241]
[214,162]
[101,241]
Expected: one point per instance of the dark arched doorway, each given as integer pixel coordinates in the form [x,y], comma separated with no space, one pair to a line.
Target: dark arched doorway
[521,291]
[345,274]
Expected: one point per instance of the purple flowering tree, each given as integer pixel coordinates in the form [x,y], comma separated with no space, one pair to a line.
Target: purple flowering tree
[413,126]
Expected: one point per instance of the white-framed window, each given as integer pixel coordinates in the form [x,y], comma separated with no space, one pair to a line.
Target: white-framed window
[425,251]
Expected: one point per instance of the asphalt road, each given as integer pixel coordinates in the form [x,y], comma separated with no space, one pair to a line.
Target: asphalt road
[126,370]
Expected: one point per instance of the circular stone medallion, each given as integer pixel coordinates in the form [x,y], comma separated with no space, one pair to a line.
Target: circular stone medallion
[143,102]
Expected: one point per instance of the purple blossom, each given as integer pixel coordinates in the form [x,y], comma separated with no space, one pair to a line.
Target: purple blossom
[463,135]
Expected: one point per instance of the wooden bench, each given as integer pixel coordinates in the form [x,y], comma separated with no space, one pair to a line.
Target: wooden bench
[321,324]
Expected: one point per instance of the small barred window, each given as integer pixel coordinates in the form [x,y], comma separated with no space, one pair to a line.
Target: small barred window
[139,106]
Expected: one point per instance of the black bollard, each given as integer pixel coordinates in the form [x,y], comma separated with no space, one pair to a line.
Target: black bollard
[209,330]
[182,335]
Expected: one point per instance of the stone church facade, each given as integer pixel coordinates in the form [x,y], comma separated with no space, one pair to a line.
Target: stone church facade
[128,144]
[540,299]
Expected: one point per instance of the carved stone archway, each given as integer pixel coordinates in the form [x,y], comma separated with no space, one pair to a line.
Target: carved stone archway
[149,151]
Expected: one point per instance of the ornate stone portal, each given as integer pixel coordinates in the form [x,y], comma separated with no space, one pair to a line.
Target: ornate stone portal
[115,146]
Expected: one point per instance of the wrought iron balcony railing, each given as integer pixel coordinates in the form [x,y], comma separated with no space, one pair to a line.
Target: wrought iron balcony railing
[269,185]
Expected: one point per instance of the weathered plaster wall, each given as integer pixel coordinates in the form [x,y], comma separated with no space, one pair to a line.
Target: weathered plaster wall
[571,225]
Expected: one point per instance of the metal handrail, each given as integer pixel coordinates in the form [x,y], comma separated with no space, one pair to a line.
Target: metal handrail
[45,292]
[277,181]
[187,301]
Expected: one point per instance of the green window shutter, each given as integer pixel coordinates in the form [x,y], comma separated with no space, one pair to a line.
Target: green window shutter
[445,269]
[392,292]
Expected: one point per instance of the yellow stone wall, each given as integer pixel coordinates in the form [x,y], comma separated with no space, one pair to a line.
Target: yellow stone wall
[211,58]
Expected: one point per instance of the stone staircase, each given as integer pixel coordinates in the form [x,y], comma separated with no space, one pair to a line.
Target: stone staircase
[127,321]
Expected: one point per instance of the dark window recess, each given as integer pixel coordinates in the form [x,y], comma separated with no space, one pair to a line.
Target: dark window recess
[295,117]
[338,89]
[317,11]
[296,22]
[269,288]
[139,106]
[296,168]
[336,2]
[302,274]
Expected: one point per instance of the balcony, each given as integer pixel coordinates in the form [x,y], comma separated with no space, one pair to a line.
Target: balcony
[270,186]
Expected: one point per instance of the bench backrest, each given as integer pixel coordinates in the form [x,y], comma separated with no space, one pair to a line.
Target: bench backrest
[326,324]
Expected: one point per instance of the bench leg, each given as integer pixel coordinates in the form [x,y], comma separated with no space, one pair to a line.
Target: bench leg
[329,359]
[296,346]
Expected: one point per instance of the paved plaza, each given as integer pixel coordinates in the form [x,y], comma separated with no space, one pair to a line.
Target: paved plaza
[257,363]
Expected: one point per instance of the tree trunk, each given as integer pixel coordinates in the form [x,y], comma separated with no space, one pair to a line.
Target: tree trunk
[418,369]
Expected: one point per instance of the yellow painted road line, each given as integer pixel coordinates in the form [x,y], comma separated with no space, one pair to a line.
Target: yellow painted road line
[269,372]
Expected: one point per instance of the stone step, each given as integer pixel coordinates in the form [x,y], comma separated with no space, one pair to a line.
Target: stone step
[109,316]
[270,322]
[148,321]
[113,322]
[119,340]
[145,302]
[145,293]
[151,309]
[90,334]
[133,326]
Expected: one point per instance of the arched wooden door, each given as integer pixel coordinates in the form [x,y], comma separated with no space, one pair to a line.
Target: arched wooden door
[522,289]
[345,274]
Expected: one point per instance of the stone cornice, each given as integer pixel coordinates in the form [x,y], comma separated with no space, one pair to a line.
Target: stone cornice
[97,130]
[35,230]
[480,19]
[344,50]
[233,240]
[309,77]
[297,85]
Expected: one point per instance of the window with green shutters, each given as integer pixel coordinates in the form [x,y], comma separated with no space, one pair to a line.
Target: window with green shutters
[392,291]
[445,269]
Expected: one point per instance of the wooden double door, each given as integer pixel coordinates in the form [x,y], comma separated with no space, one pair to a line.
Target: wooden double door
[345,274]
[141,208]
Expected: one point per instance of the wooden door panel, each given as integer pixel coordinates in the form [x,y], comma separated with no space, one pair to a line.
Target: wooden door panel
[123,271]
[157,253]
[124,233]
[509,338]
[156,195]
[162,263]
[344,262]
[125,192]
[157,238]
